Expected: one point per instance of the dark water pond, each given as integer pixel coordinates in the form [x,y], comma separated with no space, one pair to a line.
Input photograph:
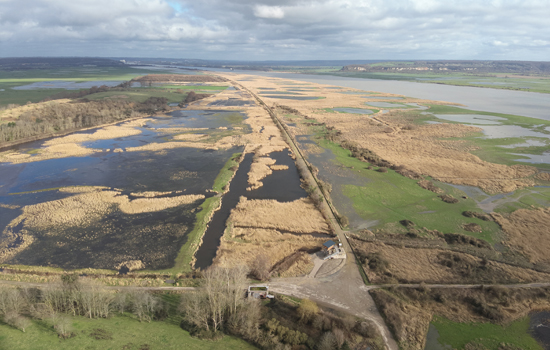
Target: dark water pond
[231,102]
[539,327]
[153,237]
[198,119]
[281,185]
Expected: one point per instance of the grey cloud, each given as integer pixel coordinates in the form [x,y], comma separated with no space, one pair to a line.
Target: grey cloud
[244,29]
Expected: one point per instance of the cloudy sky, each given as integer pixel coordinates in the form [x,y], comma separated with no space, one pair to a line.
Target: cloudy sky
[278,30]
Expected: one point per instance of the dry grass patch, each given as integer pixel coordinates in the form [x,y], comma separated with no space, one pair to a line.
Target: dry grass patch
[300,216]
[408,311]
[386,263]
[91,205]
[250,245]
[527,231]
[259,169]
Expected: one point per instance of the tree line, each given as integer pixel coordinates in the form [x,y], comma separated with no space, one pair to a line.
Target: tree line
[217,307]
[58,117]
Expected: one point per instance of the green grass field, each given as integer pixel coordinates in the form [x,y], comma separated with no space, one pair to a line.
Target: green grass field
[139,95]
[489,335]
[506,81]
[125,332]
[390,197]
[10,79]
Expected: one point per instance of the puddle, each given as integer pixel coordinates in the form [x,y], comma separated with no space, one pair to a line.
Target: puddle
[527,143]
[484,201]
[533,158]
[231,102]
[293,97]
[503,131]
[353,110]
[385,97]
[471,118]
[338,176]
[358,93]
[67,85]
[539,327]
[385,105]
[281,185]
[416,105]
[432,340]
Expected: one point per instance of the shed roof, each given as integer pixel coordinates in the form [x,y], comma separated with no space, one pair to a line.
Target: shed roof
[329,244]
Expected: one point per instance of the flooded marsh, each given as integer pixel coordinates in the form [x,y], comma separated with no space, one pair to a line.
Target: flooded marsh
[134,204]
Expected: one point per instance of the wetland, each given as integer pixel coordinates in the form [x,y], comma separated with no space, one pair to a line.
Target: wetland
[107,234]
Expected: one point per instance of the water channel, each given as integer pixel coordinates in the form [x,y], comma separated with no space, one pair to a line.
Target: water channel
[281,185]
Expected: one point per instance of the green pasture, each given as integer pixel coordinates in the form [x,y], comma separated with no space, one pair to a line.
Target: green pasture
[491,336]
[121,332]
[10,79]
[390,197]
[139,95]
[506,82]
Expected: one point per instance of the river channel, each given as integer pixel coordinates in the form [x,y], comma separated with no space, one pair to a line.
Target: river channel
[528,104]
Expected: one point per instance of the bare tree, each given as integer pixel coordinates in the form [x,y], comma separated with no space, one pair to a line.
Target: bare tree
[62,325]
[262,266]
[144,305]
[339,336]
[327,342]
[194,308]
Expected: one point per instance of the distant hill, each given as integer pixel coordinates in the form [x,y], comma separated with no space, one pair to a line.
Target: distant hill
[523,67]
[18,63]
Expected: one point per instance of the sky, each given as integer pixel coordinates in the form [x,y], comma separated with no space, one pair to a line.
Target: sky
[278,30]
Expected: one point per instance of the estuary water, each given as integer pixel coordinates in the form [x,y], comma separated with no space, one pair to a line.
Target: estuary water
[528,104]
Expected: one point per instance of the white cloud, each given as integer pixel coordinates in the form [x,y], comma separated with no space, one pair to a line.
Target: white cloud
[278,29]
[264,11]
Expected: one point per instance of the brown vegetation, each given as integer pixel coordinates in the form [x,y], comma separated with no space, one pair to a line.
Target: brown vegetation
[272,237]
[299,216]
[51,118]
[389,264]
[428,185]
[177,78]
[408,311]
[527,231]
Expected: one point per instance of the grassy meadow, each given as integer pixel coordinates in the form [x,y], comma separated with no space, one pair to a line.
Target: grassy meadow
[390,197]
[10,79]
[494,80]
[120,332]
[491,336]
